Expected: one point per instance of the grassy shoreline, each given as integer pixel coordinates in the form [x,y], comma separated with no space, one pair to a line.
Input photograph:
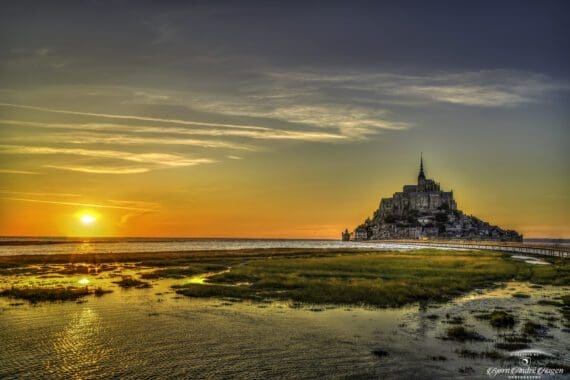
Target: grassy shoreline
[385,279]
[167,258]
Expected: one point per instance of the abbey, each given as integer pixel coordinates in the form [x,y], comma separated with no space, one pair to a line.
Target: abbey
[424,211]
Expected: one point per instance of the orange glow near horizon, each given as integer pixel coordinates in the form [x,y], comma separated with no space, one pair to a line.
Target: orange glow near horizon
[293,212]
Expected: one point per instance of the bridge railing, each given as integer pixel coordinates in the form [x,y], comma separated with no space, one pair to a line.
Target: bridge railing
[493,246]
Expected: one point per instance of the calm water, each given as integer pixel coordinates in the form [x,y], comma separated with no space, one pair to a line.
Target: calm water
[55,245]
[153,333]
[35,246]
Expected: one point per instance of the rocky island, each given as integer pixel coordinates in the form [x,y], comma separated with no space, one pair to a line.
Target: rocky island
[424,211]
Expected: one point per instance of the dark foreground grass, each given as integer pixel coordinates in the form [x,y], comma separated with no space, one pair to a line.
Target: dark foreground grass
[129,282]
[35,295]
[463,334]
[382,279]
[498,319]
[181,272]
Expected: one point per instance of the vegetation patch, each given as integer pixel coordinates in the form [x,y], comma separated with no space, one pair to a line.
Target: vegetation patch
[100,291]
[466,370]
[455,320]
[513,338]
[466,353]
[498,319]
[547,302]
[511,346]
[204,291]
[182,272]
[35,295]
[565,309]
[521,295]
[383,279]
[534,329]
[462,334]
[129,282]
[380,353]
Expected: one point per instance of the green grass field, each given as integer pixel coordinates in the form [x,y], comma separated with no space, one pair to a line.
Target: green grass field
[378,279]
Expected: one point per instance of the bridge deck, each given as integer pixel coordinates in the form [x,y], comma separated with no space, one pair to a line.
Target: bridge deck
[562,252]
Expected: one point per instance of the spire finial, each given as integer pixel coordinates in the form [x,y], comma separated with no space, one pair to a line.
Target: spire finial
[421,175]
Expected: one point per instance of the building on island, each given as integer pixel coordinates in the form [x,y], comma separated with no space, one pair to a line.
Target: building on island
[424,211]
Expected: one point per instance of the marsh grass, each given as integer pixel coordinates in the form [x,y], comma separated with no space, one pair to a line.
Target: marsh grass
[511,346]
[380,353]
[565,308]
[182,272]
[129,282]
[548,302]
[221,291]
[531,328]
[100,291]
[455,320]
[321,276]
[466,353]
[35,295]
[384,279]
[463,334]
[520,295]
[498,319]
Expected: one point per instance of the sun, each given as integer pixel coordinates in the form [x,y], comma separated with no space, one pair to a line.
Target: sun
[87,219]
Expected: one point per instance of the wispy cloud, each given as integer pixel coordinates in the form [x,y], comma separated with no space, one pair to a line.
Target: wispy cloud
[161,159]
[42,194]
[488,88]
[100,169]
[131,117]
[148,207]
[264,134]
[467,95]
[24,172]
[86,205]
[82,138]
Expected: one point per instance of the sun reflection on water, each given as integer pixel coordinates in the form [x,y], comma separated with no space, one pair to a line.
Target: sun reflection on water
[85,247]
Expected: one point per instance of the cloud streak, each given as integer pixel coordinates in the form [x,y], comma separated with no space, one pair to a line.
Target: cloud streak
[40,194]
[488,88]
[161,159]
[24,172]
[265,134]
[101,169]
[83,138]
[130,117]
[86,205]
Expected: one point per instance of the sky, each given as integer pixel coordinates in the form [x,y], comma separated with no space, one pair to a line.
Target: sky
[279,119]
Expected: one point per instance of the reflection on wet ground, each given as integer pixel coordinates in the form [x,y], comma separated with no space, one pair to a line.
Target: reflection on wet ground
[530,260]
[154,333]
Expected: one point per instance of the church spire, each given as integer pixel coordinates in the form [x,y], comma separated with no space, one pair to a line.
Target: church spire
[422,175]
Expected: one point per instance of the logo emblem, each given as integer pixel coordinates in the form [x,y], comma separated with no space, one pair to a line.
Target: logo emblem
[525,361]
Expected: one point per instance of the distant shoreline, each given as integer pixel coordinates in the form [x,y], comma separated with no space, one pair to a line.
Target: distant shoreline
[48,240]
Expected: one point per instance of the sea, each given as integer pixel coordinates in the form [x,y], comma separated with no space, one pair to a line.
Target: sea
[59,245]
[62,245]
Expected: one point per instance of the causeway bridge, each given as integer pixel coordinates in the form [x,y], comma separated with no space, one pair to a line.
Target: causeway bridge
[528,249]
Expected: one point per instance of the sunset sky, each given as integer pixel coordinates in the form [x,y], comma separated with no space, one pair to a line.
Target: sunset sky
[279,119]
